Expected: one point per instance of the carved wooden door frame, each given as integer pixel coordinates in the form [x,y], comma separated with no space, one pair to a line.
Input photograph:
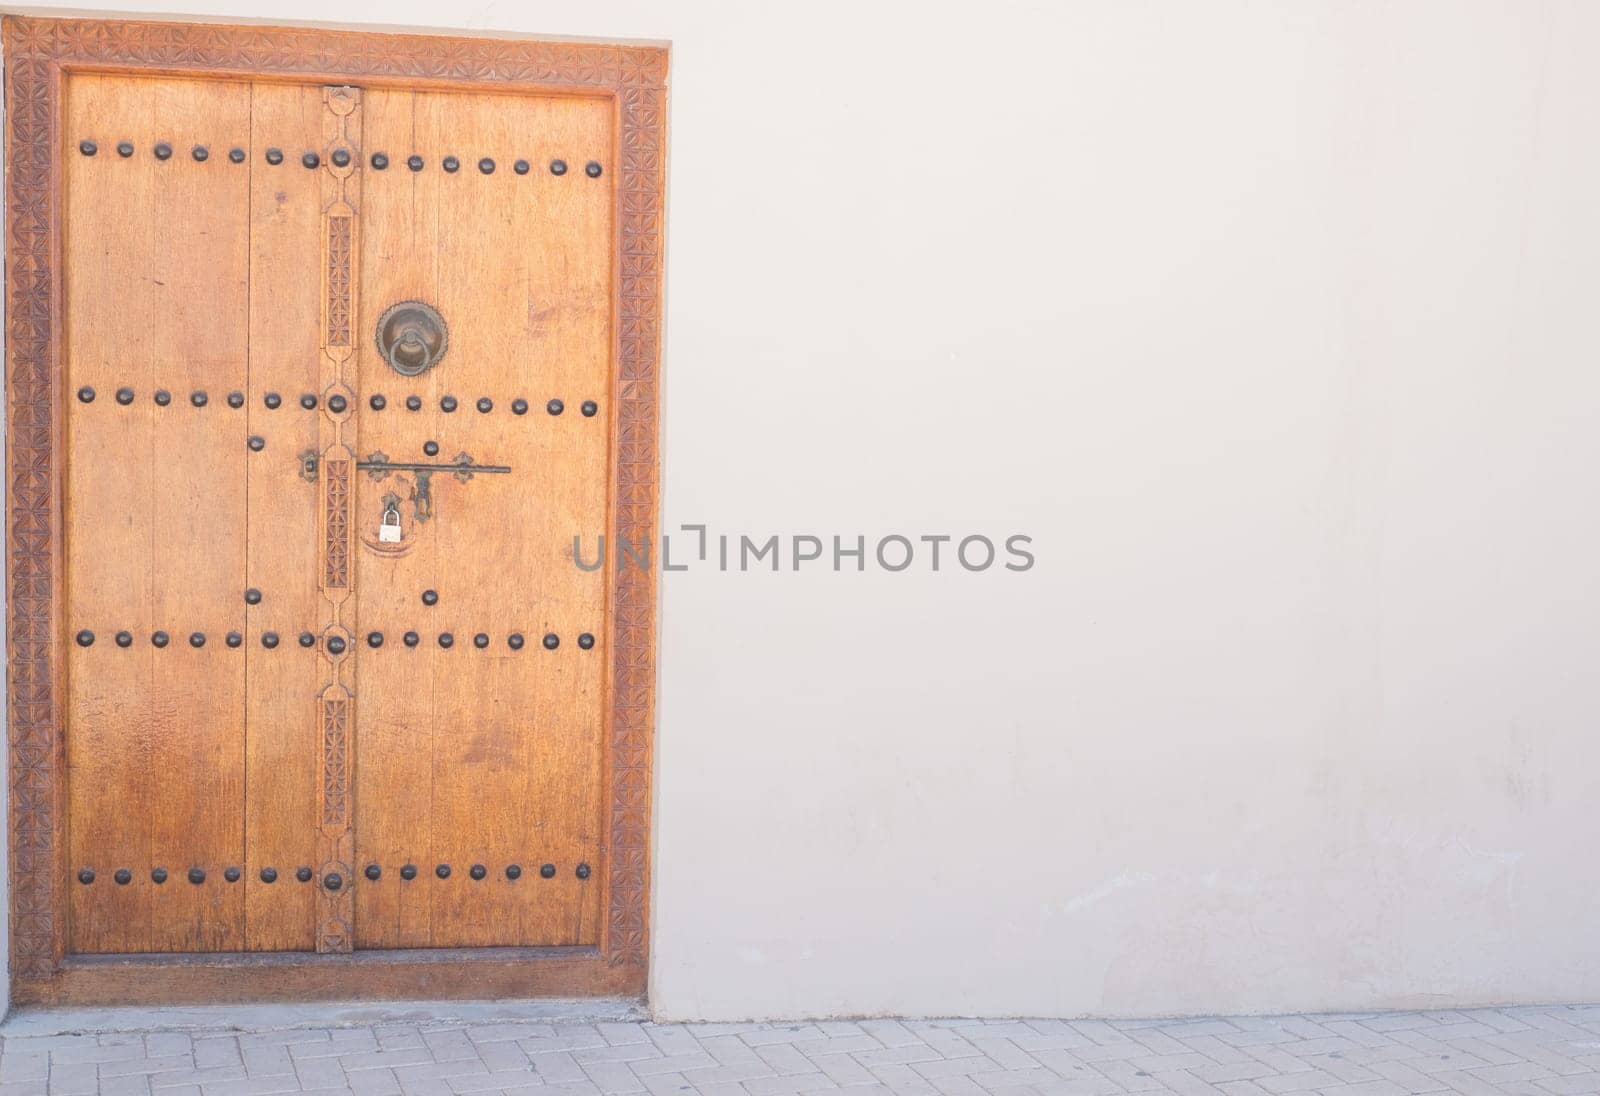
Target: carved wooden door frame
[39,53]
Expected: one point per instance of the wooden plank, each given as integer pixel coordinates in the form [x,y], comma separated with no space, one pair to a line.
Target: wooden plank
[282,725]
[436,974]
[109,533]
[201,268]
[339,250]
[394,774]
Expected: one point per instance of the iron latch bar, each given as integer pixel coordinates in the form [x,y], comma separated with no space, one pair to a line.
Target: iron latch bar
[463,468]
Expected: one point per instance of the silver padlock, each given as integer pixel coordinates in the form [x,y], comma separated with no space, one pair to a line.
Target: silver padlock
[389,527]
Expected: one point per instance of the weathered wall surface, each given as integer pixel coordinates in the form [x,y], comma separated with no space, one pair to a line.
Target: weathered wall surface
[1273,326]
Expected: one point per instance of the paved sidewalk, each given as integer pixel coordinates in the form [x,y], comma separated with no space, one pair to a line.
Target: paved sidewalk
[402,1051]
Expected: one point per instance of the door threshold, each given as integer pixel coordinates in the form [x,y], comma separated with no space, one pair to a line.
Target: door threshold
[40,1020]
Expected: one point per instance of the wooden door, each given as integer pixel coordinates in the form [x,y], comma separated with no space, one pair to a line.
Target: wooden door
[340,363]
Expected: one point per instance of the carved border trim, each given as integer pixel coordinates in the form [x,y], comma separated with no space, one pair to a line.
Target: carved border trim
[37,51]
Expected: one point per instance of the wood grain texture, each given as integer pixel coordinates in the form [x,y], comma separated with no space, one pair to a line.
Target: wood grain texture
[283,716]
[486,756]
[38,53]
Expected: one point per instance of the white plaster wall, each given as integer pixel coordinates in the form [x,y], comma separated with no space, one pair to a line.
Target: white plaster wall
[1274,325]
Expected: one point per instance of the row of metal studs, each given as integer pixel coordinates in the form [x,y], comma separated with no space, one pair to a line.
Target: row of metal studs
[269,640]
[197,876]
[340,158]
[338,404]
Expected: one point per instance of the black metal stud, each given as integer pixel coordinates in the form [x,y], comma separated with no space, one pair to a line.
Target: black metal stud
[513,871]
[269,875]
[341,157]
[486,166]
[431,448]
[414,163]
[197,639]
[123,877]
[586,641]
[481,640]
[377,402]
[551,641]
[158,875]
[303,874]
[252,596]
[231,874]
[412,639]
[85,394]
[163,151]
[442,871]
[374,639]
[430,597]
[163,397]
[235,399]
[451,164]
[337,404]
[446,640]
[514,641]
[520,167]
[373,872]
[408,871]
[336,645]
[592,169]
[333,880]
[86,876]
[478,871]
[583,871]
[274,156]
[547,871]
[159,639]
[589,409]
[519,407]
[233,639]
[85,638]
[197,876]
[555,407]
[558,167]
[124,639]
[199,153]
[379,161]
[308,401]
[485,405]
[257,443]
[88,148]
[269,640]
[199,398]
[310,159]
[236,155]
[307,639]
[272,400]
[124,149]
[413,403]
[448,404]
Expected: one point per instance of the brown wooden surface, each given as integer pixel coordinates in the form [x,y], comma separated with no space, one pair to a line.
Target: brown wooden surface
[592,755]
[282,724]
[155,535]
[487,756]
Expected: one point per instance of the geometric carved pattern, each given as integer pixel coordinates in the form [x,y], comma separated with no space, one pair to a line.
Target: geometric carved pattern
[336,554]
[339,287]
[335,754]
[37,50]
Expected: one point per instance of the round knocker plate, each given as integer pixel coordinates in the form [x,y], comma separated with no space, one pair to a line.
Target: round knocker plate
[412,337]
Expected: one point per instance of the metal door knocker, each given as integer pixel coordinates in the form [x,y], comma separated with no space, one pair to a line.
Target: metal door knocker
[412,337]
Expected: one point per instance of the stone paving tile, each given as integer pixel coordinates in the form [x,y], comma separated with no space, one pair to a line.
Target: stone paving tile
[1524,1051]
